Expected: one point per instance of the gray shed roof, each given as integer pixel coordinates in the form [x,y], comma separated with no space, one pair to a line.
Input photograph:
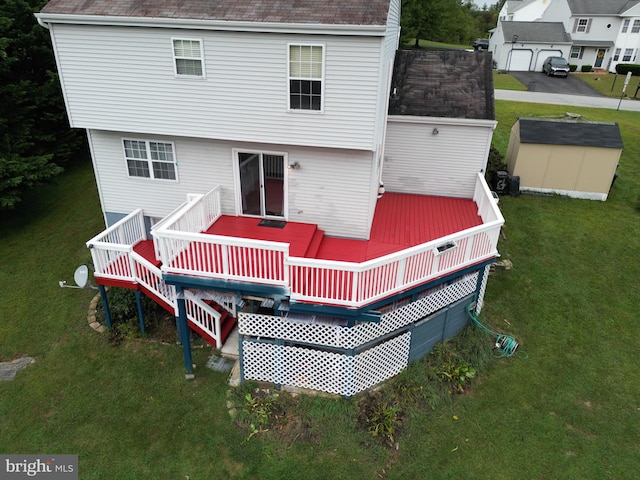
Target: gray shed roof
[570,132]
[537,32]
[600,7]
[443,83]
[327,12]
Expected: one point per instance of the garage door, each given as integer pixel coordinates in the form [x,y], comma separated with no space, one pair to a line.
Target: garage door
[542,56]
[520,60]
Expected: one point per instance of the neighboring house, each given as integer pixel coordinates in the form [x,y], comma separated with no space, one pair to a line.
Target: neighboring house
[574,158]
[240,150]
[524,46]
[603,33]
[523,10]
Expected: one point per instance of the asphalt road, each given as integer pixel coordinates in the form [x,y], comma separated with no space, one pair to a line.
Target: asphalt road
[539,82]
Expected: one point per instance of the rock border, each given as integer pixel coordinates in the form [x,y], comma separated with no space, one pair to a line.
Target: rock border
[91,315]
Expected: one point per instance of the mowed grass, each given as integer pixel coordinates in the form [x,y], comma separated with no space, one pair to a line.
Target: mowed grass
[504,81]
[611,84]
[570,410]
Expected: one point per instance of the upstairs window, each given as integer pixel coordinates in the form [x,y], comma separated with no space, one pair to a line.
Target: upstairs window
[636,26]
[149,159]
[582,25]
[625,25]
[188,57]
[306,73]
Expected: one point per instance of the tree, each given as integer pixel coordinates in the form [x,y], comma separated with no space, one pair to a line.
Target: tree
[35,139]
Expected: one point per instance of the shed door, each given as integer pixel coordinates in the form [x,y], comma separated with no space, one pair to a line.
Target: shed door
[520,60]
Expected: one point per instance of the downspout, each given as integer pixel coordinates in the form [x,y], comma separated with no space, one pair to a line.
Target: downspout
[42,23]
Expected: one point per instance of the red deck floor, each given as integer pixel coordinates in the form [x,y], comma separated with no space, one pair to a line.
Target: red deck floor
[400,221]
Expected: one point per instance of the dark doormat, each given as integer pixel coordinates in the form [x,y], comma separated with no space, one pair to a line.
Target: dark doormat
[272,223]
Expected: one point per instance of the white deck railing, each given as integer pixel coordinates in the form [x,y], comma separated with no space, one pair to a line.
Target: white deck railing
[183,249]
[110,249]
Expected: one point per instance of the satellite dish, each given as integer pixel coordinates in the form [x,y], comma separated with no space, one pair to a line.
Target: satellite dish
[81,276]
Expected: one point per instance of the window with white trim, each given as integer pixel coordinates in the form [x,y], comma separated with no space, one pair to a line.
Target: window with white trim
[625,25]
[577,52]
[628,54]
[150,159]
[582,25]
[616,55]
[306,74]
[636,26]
[188,57]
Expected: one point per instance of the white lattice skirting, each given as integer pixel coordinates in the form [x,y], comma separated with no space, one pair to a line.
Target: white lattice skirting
[324,334]
[339,373]
[336,373]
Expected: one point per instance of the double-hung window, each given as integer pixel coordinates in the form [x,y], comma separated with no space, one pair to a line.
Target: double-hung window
[582,25]
[636,26]
[306,77]
[625,25]
[188,57]
[616,55]
[150,159]
[628,54]
[576,52]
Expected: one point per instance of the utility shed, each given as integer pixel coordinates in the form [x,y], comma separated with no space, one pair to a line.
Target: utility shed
[568,157]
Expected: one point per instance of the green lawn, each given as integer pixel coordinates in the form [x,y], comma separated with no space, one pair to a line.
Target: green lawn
[610,84]
[568,411]
[504,81]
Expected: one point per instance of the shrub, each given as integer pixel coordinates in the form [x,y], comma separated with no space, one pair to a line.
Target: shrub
[573,68]
[623,68]
[495,162]
[585,68]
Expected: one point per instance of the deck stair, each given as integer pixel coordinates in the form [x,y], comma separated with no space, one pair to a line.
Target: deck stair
[314,245]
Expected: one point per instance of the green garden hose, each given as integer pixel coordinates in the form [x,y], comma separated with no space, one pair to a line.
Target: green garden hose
[506,345]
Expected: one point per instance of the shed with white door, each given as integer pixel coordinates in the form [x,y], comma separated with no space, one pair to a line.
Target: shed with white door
[567,157]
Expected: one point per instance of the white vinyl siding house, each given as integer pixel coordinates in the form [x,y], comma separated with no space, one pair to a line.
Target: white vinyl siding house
[426,155]
[108,90]
[338,204]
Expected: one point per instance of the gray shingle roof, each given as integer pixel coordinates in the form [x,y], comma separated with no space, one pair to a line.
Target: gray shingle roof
[443,83]
[328,12]
[600,7]
[570,132]
[538,32]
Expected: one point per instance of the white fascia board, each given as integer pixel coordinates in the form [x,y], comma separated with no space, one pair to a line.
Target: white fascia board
[265,27]
[466,122]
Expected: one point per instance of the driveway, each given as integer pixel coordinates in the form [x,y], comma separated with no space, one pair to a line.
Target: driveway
[539,82]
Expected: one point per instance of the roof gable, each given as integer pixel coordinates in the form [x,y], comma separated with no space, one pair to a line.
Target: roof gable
[324,12]
[570,132]
[443,83]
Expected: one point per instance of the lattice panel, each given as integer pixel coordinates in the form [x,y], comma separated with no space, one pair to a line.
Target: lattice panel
[258,361]
[335,373]
[379,363]
[483,288]
[351,337]
[314,369]
[432,303]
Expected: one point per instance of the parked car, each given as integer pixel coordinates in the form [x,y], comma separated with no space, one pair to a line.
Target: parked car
[556,66]
[481,44]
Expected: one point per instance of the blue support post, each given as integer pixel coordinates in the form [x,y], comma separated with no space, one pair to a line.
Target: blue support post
[105,305]
[185,337]
[241,357]
[140,311]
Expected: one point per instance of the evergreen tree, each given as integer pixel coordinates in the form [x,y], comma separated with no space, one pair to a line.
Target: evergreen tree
[35,138]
